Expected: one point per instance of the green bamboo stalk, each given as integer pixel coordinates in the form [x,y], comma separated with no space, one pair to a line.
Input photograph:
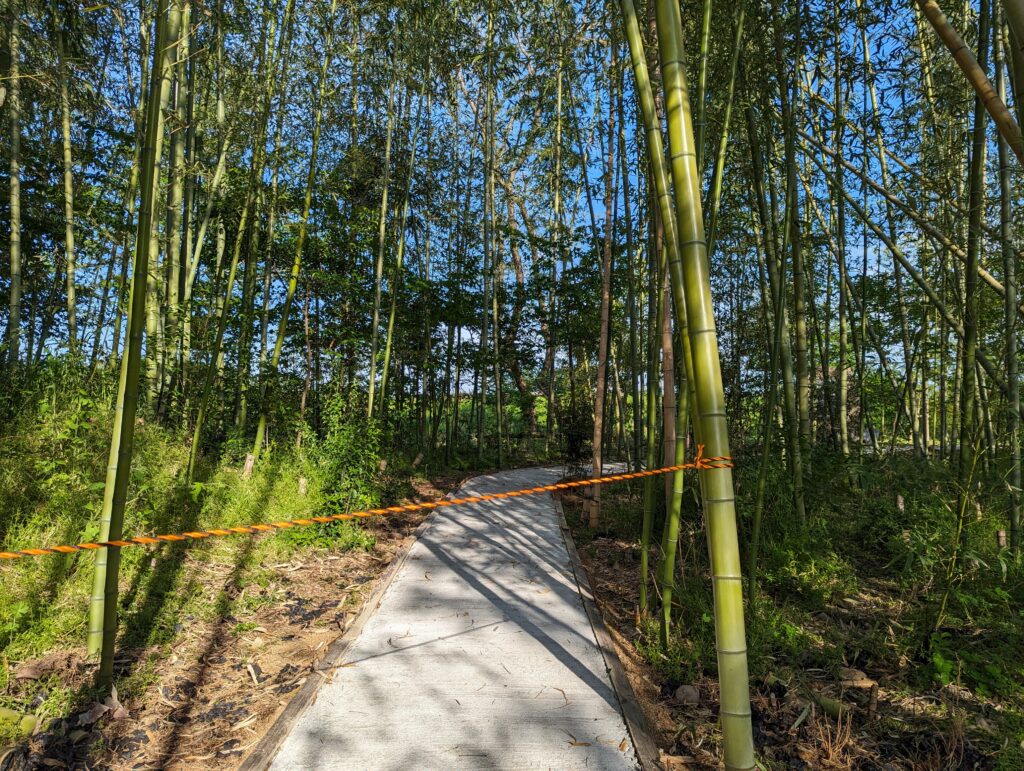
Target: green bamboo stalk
[286,34]
[631,297]
[604,333]
[280,45]
[217,348]
[670,254]
[1009,314]
[710,408]
[795,454]
[14,114]
[154,320]
[793,222]
[399,258]
[176,189]
[300,242]
[975,74]
[103,606]
[480,370]
[839,203]
[381,242]
[976,198]
[702,80]
[1013,14]
[657,308]
[122,244]
[69,186]
[491,236]
[670,536]
[723,141]
[555,227]
[757,517]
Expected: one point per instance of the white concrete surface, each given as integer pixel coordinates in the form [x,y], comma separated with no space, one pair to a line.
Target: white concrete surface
[480,655]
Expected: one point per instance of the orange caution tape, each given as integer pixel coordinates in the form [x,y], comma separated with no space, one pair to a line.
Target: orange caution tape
[700,462]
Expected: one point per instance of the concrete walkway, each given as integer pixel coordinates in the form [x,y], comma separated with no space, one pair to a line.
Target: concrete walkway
[480,655]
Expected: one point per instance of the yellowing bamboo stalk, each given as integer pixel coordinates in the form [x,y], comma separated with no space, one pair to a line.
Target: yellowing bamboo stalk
[975,75]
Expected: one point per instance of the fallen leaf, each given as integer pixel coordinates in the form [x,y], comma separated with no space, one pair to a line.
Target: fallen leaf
[117,709]
[28,672]
[95,713]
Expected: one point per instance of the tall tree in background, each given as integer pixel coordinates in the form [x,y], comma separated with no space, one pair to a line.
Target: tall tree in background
[491,243]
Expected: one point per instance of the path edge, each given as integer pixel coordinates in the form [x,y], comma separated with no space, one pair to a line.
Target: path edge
[265,752]
[647,752]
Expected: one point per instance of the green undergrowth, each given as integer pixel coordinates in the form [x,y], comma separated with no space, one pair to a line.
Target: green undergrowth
[861,584]
[53,455]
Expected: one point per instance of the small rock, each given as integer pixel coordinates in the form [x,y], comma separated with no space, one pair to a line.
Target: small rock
[854,678]
[688,695]
[848,673]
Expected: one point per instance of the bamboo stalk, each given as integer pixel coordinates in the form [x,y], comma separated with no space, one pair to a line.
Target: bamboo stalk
[667,220]
[14,115]
[709,408]
[378,270]
[1009,311]
[69,186]
[795,454]
[399,260]
[975,74]
[293,279]
[969,387]
[103,606]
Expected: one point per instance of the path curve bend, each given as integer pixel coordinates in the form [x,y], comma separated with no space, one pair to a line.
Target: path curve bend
[480,654]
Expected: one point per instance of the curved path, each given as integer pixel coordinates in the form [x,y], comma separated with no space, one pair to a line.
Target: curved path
[481,654]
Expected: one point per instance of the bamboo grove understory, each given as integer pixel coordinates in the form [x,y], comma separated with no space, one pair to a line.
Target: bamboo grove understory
[594,230]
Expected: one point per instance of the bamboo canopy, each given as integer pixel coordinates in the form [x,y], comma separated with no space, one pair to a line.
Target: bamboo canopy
[269,264]
[975,75]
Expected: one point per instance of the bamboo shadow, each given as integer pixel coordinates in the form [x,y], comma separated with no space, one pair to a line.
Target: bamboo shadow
[182,716]
[162,575]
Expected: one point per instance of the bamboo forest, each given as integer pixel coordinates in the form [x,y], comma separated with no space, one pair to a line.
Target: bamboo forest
[287,281]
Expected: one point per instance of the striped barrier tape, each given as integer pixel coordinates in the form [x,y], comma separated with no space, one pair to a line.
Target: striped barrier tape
[700,462]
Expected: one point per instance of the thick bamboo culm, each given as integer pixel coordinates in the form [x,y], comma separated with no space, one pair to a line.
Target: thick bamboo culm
[709,408]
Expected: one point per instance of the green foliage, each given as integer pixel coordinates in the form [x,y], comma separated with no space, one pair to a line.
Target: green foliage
[338,535]
[807,570]
[53,452]
[862,584]
[348,457]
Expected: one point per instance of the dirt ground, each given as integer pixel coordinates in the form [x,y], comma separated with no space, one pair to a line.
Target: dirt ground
[224,682]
